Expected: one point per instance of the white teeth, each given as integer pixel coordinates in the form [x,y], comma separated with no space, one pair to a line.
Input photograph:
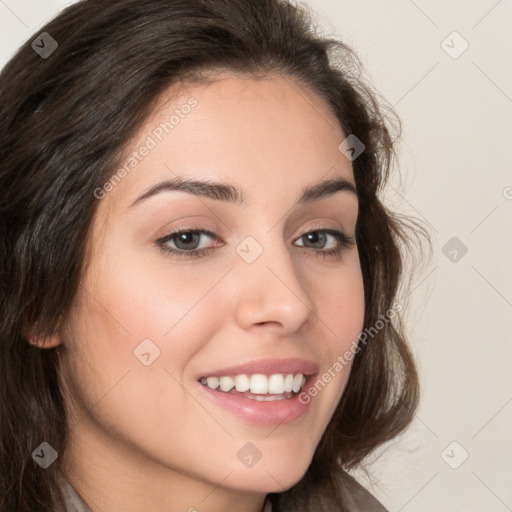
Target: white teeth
[226,384]
[276,384]
[212,382]
[258,384]
[297,383]
[242,383]
[288,383]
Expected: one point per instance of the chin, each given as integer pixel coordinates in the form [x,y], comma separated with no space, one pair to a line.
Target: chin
[275,476]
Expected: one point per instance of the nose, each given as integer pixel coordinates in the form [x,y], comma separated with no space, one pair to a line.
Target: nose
[271,293]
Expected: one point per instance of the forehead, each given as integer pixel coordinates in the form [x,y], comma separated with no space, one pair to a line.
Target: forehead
[267,136]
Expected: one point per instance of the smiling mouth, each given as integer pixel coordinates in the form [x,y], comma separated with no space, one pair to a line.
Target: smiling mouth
[260,387]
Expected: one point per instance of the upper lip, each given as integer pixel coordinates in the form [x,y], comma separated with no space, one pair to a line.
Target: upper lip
[267,367]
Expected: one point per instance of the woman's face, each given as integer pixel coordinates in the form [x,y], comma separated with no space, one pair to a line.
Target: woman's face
[157,314]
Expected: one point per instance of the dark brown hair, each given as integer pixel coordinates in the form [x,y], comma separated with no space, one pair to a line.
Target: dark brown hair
[64,122]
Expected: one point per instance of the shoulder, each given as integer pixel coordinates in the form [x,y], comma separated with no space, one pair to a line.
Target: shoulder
[358,498]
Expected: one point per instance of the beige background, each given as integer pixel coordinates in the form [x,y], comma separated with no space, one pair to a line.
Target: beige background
[457,177]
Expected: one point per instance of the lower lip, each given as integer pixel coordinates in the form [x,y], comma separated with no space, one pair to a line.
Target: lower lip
[274,412]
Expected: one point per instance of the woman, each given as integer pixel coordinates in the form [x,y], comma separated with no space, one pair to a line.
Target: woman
[199,276]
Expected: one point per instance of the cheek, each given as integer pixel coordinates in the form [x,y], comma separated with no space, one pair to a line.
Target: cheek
[125,397]
[341,304]
[340,307]
[143,321]
[152,299]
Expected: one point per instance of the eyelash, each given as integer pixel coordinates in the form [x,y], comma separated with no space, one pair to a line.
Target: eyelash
[344,241]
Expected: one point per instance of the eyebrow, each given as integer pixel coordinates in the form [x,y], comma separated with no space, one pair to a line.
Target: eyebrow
[230,193]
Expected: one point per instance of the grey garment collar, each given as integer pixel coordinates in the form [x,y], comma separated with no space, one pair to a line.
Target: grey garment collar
[358,498]
[74,503]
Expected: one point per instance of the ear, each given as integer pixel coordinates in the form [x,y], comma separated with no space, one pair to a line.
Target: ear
[44,342]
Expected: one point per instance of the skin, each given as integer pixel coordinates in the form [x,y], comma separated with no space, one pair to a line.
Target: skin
[146,437]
